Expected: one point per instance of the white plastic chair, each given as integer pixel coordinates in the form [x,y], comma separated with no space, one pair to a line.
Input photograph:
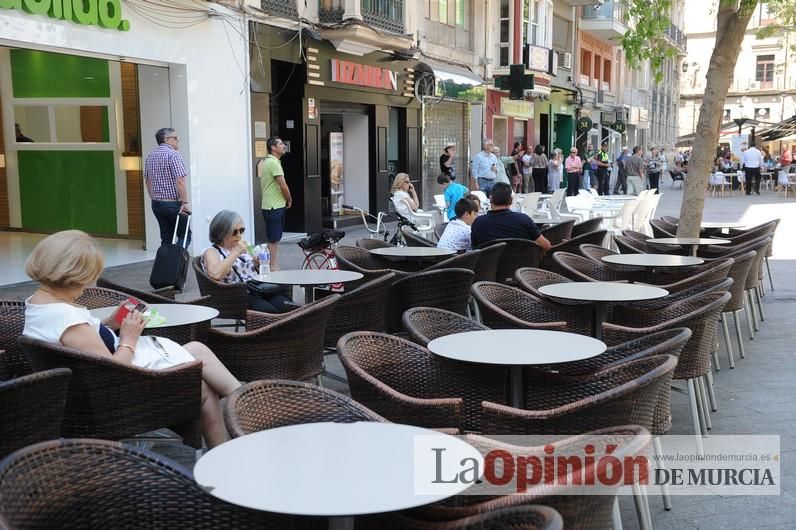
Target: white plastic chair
[643,214]
[423,220]
[441,208]
[530,204]
[482,197]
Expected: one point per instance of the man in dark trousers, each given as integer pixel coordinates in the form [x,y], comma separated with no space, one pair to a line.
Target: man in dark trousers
[621,173]
[603,169]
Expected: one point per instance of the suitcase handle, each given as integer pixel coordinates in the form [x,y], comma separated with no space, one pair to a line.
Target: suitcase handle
[187,227]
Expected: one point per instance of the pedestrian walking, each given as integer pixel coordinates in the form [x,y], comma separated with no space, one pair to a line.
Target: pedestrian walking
[276,196]
[752,161]
[634,166]
[165,177]
[655,164]
[621,172]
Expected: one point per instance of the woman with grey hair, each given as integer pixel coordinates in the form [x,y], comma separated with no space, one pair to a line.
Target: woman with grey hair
[228,261]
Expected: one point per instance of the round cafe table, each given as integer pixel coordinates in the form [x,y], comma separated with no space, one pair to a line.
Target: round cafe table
[335,470]
[309,278]
[174,314]
[413,252]
[653,261]
[693,242]
[516,348]
[600,294]
[721,224]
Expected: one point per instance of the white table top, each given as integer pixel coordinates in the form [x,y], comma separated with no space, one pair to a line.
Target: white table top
[603,291]
[617,197]
[333,469]
[653,260]
[516,346]
[413,252]
[721,224]
[310,277]
[688,241]
[175,314]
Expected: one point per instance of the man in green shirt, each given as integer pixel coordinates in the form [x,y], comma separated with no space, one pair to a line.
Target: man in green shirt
[276,196]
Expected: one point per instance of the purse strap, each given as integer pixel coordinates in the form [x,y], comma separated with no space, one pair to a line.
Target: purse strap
[234,268]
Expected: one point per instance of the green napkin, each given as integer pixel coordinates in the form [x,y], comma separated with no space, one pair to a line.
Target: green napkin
[153,319]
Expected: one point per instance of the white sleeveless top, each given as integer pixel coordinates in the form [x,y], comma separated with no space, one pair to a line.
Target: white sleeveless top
[48,322]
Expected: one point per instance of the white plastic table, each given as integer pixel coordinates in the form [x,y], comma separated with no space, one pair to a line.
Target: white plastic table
[721,224]
[516,348]
[693,242]
[653,261]
[600,294]
[175,314]
[336,470]
[309,277]
[413,252]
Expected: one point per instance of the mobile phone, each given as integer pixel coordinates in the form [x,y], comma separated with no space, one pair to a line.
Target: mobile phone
[130,305]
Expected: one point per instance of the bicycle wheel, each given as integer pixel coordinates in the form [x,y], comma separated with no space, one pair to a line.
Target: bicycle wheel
[318,260]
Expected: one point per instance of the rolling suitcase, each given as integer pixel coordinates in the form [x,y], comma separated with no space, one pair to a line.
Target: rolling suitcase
[171,261]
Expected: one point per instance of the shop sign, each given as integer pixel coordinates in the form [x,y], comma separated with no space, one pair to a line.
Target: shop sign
[103,13]
[516,108]
[538,58]
[363,75]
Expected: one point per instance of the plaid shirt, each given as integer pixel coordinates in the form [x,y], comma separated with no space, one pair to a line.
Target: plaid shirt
[163,167]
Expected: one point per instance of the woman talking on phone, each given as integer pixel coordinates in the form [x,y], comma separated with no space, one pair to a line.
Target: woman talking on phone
[64,264]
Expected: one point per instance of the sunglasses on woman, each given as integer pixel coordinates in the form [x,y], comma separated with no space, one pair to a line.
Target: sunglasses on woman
[238,231]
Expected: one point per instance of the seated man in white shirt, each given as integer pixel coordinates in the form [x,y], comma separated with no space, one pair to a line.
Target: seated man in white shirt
[457,232]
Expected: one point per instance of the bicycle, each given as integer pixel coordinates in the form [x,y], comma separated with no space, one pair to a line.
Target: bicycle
[398,239]
[318,252]
[381,228]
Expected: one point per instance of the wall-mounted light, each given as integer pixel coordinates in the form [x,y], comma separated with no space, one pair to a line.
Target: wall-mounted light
[130,163]
[2,160]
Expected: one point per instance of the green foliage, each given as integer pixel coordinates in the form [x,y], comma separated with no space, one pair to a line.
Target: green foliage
[465,92]
[646,37]
[783,12]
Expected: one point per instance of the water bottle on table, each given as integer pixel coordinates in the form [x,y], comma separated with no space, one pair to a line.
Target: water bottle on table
[265,260]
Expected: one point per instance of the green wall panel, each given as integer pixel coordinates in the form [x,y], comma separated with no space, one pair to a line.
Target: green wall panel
[68,189]
[37,74]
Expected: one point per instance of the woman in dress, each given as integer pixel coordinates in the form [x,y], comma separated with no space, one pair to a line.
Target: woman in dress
[555,170]
[228,261]
[64,264]
[539,169]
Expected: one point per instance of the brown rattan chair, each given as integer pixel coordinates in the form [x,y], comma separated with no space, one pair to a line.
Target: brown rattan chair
[370,243]
[626,394]
[272,403]
[229,298]
[571,246]
[530,280]
[739,271]
[753,284]
[360,309]
[439,230]
[590,512]
[114,401]
[487,266]
[517,253]
[506,307]
[661,229]
[559,232]
[413,239]
[97,297]
[164,295]
[584,227]
[282,346]
[598,252]
[424,324]
[406,383]
[32,408]
[94,484]
[12,322]
[583,269]
[639,241]
[447,289]
[369,265]
[712,286]
[531,517]
[466,260]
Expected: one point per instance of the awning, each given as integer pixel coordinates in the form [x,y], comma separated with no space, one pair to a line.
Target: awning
[780,130]
[727,128]
[453,73]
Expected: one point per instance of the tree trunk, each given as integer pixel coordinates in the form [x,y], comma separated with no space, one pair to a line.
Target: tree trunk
[730,32]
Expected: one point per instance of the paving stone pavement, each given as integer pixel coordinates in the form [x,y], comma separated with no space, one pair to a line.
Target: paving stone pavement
[755,398]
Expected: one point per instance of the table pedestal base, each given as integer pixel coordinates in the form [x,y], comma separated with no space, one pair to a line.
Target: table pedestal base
[341,523]
[598,319]
[517,400]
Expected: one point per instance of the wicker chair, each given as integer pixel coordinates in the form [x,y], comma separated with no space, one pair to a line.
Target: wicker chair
[741,268]
[626,394]
[753,284]
[408,384]
[360,309]
[97,297]
[530,280]
[517,253]
[660,229]
[283,346]
[466,260]
[447,289]
[530,517]
[12,322]
[506,307]
[273,403]
[114,401]
[439,230]
[582,269]
[639,240]
[571,246]
[415,240]
[583,512]
[94,484]
[424,324]
[699,314]
[32,408]
[598,252]
[369,265]
[712,252]
[589,225]
[560,232]
[229,298]
[370,244]
[712,286]
[164,295]
[486,268]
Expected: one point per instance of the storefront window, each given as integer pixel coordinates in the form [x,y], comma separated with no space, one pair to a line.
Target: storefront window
[58,123]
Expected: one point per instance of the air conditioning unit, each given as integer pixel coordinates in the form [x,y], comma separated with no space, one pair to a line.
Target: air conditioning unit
[620,115]
[754,85]
[565,60]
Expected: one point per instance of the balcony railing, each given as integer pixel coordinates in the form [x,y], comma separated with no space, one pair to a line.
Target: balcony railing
[330,11]
[282,8]
[676,34]
[384,14]
[608,11]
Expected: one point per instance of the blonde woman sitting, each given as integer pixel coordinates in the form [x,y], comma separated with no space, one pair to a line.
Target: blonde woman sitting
[65,264]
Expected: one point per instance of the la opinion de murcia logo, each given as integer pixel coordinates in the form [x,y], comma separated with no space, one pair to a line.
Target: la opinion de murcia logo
[103,13]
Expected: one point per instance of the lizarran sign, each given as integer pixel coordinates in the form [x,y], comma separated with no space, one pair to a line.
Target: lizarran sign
[364,75]
[102,13]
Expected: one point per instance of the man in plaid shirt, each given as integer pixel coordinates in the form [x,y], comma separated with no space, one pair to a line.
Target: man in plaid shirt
[164,174]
